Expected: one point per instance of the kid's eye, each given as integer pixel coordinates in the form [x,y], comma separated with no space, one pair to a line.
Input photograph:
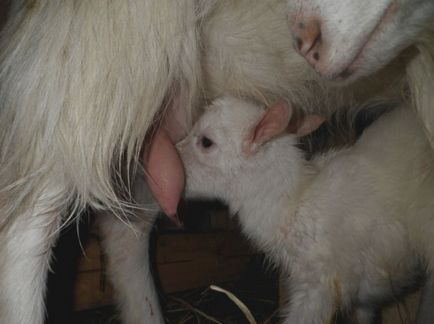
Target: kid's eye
[206,142]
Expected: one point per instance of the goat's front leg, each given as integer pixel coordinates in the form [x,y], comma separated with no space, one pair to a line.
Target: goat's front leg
[25,250]
[128,266]
[312,303]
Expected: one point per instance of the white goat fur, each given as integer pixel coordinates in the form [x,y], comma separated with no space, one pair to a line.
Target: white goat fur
[351,228]
[364,36]
[80,84]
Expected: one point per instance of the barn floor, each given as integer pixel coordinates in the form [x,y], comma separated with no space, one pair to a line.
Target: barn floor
[258,290]
[255,285]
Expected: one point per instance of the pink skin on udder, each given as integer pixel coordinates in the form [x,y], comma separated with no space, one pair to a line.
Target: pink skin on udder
[163,166]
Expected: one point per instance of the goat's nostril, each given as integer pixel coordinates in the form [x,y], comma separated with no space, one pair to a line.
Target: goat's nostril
[307,36]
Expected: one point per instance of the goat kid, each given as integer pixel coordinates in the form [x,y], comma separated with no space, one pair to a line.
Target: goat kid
[352,228]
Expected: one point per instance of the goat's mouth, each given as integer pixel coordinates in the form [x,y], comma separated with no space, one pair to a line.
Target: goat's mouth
[357,60]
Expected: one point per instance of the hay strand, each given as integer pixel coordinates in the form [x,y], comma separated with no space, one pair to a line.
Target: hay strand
[237,302]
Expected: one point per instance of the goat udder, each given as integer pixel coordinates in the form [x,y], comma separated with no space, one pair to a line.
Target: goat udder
[165,173]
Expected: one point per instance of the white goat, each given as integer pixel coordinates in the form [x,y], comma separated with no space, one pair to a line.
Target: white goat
[346,40]
[82,82]
[352,228]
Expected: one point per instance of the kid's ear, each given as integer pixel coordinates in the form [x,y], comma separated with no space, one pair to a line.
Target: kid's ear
[273,122]
[307,125]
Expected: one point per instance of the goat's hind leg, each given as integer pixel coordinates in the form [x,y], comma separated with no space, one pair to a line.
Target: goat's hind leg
[25,251]
[128,266]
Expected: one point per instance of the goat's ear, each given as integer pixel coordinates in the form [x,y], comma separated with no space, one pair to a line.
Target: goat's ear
[307,125]
[273,122]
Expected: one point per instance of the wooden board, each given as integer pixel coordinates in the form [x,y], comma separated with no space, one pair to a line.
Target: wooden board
[92,290]
[187,261]
[184,261]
